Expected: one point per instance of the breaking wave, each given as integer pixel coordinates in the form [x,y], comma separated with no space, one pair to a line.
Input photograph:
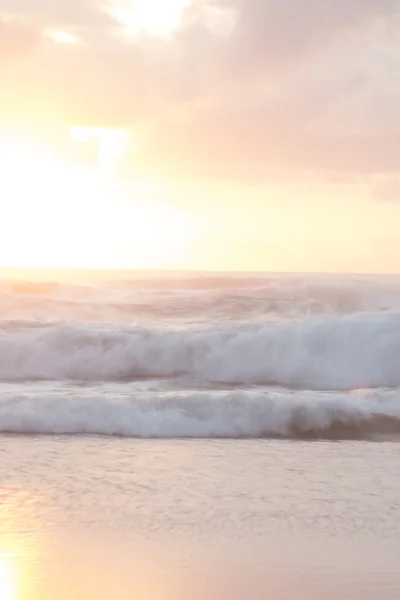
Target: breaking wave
[329,353]
[251,414]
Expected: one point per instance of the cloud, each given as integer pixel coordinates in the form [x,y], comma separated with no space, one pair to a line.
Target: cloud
[243,88]
[249,146]
[57,12]
[16,39]
[388,190]
[282,29]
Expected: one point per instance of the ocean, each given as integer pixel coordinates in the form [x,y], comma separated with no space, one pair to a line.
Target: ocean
[186,435]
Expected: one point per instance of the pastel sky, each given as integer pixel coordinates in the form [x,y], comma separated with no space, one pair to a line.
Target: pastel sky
[206,134]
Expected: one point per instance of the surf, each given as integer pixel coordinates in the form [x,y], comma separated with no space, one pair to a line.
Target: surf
[327,353]
[213,414]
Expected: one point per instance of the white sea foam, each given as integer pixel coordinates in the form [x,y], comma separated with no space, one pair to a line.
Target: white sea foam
[248,414]
[331,353]
[213,349]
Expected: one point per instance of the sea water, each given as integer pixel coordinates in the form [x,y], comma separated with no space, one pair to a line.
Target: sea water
[224,435]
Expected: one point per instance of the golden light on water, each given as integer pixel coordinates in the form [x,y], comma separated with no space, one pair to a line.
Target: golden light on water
[8,578]
[20,548]
[61,569]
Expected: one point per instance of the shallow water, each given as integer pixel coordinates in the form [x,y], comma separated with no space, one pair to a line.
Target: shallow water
[171,388]
[113,518]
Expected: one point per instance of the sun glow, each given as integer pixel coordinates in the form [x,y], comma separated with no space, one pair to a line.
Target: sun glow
[59,214]
[156,17]
[61,37]
[113,143]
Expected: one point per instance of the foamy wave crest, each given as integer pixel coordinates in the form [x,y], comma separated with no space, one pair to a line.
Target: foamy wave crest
[332,353]
[206,415]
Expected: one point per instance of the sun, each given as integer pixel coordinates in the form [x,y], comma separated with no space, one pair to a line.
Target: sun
[40,197]
[156,17]
[61,214]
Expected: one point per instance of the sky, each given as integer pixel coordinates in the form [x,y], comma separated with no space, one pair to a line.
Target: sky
[200,134]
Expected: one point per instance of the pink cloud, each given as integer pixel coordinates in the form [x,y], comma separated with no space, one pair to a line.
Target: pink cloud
[296,85]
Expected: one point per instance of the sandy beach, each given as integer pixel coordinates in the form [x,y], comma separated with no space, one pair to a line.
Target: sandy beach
[99,518]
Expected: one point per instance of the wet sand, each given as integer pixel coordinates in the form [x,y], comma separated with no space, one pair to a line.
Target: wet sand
[100,518]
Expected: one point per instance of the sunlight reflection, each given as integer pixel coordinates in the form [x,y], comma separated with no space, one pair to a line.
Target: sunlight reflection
[22,554]
[8,578]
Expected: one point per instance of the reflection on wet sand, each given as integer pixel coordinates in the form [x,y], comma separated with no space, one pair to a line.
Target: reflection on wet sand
[9,578]
[54,565]
[93,519]
[61,570]
[19,562]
